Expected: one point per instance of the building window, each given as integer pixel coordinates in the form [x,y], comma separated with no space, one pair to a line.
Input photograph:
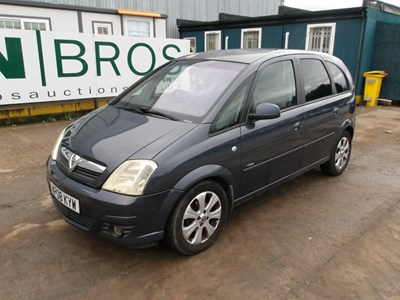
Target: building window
[102,28]
[321,37]
[139,28]
[24,23]
[212,40]
[192,44]
[10,23]
[251,38]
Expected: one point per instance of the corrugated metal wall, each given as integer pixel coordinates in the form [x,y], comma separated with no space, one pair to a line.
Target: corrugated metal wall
[386,52]
[199,10]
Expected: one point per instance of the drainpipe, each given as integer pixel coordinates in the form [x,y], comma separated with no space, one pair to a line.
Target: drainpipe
[287,34]
[361,46]
[226,42]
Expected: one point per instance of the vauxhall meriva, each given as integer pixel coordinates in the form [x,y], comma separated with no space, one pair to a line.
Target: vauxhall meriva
[171,156]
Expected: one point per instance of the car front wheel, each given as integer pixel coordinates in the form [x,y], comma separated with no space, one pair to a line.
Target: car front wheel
[198,218]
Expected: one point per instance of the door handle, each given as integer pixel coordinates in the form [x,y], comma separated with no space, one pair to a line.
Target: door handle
[297,126]
[335,112]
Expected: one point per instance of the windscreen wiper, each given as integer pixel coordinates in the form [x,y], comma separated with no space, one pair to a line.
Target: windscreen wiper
[134,109]
[143,110]
[148,110]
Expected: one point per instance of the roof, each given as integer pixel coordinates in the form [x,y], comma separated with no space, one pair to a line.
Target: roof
[247,56]
[235,55]
[301,16]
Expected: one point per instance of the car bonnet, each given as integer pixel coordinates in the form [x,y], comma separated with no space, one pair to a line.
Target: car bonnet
[112,135]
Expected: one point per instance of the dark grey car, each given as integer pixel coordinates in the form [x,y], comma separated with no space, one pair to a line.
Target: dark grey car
[171,156]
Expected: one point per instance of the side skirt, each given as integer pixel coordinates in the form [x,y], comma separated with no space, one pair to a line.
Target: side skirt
[262,190]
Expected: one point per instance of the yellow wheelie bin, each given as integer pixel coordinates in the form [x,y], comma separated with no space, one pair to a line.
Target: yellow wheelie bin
[373,82]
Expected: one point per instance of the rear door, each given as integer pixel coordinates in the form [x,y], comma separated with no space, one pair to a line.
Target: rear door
[272,149]
[322,106]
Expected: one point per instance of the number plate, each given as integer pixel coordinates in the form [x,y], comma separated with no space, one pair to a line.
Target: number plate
[64,198]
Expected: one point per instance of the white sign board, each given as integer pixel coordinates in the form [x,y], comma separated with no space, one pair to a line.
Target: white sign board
[37,66]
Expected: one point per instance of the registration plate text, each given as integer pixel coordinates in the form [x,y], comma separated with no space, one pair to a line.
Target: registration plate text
[64,198]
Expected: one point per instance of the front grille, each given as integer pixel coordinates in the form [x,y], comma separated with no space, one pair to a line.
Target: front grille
[85,176]
[85,222]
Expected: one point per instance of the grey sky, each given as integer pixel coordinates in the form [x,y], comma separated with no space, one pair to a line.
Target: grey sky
[323,5]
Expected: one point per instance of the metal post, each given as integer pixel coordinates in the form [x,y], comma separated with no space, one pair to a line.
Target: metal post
[287,34]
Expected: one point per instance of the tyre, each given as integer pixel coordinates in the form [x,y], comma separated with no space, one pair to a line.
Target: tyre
[339,157]
[198,218]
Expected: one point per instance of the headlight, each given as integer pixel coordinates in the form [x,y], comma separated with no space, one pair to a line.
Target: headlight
[131,177]
[57,145]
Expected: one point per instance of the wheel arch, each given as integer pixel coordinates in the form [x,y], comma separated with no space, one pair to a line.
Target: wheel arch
[347,125]
[217,173]
[350,130]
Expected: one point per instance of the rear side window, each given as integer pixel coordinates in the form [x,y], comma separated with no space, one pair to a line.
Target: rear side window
[338,77]
[316,80]
[276,85]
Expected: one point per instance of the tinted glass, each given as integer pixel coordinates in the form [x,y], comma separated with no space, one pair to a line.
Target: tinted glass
[276,85]
[185,90]
[338,77]
[231,113]
[316,80]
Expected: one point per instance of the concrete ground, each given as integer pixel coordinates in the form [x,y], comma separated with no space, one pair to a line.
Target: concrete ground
[316,237]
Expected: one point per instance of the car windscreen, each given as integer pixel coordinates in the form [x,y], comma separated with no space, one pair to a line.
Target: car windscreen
[184,90]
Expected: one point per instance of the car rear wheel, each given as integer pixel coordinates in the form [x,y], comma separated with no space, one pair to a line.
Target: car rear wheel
[339,157]
[198,218]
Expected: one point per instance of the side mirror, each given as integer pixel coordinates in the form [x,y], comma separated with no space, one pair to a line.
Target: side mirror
[265,111]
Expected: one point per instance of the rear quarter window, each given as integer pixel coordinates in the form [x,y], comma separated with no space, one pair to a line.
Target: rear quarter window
[338,77]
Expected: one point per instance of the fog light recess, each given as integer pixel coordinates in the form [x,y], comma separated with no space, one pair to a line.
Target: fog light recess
[117,231]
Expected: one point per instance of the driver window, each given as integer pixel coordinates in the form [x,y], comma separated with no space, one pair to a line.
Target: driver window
[231,113]
[276,85]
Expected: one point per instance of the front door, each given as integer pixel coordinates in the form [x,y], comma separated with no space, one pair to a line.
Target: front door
[271,150]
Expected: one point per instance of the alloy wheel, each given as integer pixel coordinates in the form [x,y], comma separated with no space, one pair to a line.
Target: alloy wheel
[342,153]
[201,218]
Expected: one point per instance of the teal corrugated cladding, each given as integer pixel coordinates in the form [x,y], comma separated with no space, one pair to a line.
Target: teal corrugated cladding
[297,37]
[373,16]
[234,38]
[386,52]
[271,36]
[347,42]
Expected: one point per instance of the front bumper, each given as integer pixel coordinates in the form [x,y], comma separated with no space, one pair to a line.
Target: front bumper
[142,219]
